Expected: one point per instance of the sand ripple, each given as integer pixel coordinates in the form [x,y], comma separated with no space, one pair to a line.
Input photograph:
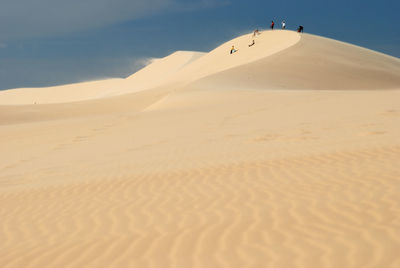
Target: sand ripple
[327,210]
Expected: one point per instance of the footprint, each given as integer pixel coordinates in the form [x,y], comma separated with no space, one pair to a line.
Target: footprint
[391,112]
[371,133]
[267,137]
[80,138]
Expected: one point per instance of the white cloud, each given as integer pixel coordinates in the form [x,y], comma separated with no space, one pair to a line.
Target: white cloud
[27,18]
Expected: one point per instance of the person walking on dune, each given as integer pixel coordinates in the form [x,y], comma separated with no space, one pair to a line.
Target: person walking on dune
[233,50]
[256,32]
[272,25]
[283,25]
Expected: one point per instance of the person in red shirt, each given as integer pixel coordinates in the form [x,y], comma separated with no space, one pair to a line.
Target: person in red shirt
[272,25]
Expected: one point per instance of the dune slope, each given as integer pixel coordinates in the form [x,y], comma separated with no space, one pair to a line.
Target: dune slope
[204,169]
[175,70]
[314,63]
[149,77]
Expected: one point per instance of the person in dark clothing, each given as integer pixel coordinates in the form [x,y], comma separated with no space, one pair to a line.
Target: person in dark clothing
[300,29]
[272,25]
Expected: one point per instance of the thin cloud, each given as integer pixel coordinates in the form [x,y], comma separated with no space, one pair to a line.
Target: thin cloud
[200,4]
[27,18]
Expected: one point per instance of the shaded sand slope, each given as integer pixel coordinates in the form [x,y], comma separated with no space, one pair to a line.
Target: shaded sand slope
[59,94]
[219,59]
[205,175]
[160,70]
[315,63]
[133,103]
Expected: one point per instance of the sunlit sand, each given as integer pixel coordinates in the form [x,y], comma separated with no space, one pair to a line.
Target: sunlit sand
[283,154]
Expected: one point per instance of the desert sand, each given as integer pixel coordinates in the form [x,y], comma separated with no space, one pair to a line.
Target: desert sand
[283,154]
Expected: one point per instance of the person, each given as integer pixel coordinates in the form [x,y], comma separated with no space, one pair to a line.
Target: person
[272,25]
[256,32]
[283,25]
[252,44]
[300,29]
[233,50]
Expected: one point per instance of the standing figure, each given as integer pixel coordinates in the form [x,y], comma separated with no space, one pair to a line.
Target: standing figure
[272,25]
[283,25]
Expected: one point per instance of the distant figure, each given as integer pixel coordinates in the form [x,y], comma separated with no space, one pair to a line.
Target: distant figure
[252,44]
[233,50]
[256,32]
[272,25]
[283,25]
[300,29]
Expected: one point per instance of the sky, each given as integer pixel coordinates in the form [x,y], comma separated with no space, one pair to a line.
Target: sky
[52,42]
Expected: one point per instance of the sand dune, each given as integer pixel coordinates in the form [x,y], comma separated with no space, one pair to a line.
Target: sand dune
[280,155]
[149,77]
[177,69]
[315,63]
[160,71]
[59,94]
[279,59]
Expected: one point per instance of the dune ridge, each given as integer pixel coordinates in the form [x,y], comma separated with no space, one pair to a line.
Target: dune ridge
[149,77]
[244,160]
[280,59]
[315,63]
[177,69]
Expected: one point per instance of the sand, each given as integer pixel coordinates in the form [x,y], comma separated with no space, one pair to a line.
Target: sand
[284,154]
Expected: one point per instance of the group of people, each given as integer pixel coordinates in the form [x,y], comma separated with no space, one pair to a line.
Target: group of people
[256,32]
[273,25]
[299,29]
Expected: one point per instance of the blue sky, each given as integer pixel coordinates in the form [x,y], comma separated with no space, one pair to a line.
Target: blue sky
[49,42]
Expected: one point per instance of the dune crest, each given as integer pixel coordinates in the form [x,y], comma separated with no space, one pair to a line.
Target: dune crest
[314,63]
[149,77]
[278,59]
[176,69]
